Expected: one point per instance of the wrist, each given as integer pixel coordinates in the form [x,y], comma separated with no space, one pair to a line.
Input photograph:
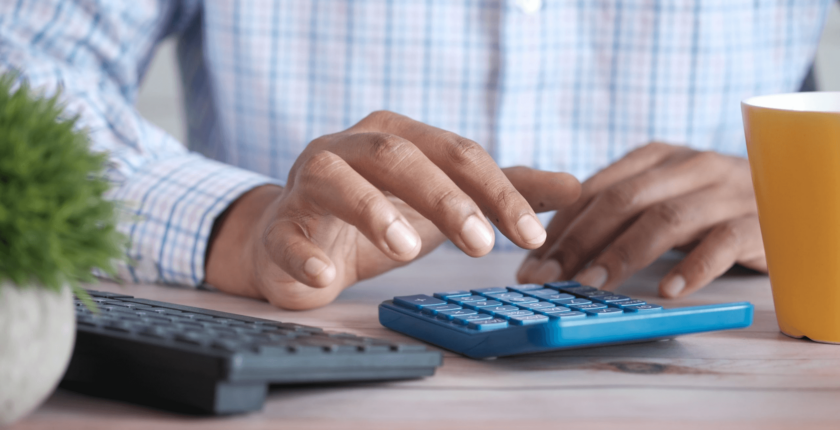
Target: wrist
[229,250]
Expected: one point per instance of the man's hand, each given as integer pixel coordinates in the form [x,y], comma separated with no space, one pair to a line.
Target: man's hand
[656,198]
[371,198]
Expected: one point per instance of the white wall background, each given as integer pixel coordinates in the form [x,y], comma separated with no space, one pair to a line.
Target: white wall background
[160,96]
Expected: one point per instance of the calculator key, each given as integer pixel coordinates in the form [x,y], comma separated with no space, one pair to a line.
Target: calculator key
[448,315]
[465,319]
[489,290]
[528,319]
[542,292]
[518,300]
[505,295]
[569,315]
[491,324]
[558,296]
[562,285]
[482,304]
[433,310]
[605,312]
[627,303]
[643,308]
[569,302]
[522,288]
[506,308]
[418,301]
[450,294]
[511,314]
[588,307]
[462,300]
[599,293]
[554,310]
[538,305]
[612,298]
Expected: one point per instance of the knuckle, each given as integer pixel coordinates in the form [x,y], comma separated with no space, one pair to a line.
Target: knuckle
[702,267]
[446,200]
[462,151]
[379,116]
[729,234]
[389,148]
[621,255]
[669,214]
[707,158]
[317,166]
[619,197]
[369,206]
[570,248]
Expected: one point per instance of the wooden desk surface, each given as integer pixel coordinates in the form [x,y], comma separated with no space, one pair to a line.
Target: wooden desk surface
[738,379]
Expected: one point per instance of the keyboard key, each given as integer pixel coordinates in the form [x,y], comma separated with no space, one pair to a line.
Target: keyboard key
[568,315]
[508,294]
[539,293]
[518,300]
[612,298]
[605,312]
[525,287]
[528,320]
[643,308]
[449,315]
[627,303]
[417,301]
[570,302]
[491,324]
[489,290]
[462,300]
[482,304]
[450,294]
[433,310]
[538,305]
[562,285]
[554,310]
[506,308]
[588,307]
[511,314]
[465,319]
[558,296]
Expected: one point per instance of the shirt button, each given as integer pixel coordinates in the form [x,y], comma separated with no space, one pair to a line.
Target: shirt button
[529,6]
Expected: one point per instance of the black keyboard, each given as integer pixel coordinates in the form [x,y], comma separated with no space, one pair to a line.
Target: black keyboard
[197,360]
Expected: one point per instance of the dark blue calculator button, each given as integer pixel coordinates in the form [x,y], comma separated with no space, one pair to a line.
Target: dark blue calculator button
[465,319]
[558,296]
[482,304]
[506,308]
[554,310]
[540,293]
[455,313]
[518,300]
[537,305]
[643,308]
[491,324]
[511,314]
[529,319]
[627,303]
[433,310]
[525,287]
[489,290]
[612,298]
[505,295]
[562,285]
[462,300]
[418,301]
[598,293]
[569,315]
[604,312]
[588,307]
[450,294]
[570,302]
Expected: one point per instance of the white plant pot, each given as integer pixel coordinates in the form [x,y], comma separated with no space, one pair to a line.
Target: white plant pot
[37,333]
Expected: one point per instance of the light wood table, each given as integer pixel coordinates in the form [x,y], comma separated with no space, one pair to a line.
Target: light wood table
[736,379]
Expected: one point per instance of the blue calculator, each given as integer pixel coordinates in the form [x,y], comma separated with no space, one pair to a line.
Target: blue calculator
[521,319]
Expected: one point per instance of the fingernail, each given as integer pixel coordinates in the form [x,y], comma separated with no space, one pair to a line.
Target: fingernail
[475,234]
[594,276]
[314,267]
[548,271]
[530,230]
[674,286]
[400,238]
[527,268]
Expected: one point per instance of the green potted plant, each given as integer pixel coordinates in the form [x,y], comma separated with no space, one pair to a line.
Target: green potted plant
[55,228]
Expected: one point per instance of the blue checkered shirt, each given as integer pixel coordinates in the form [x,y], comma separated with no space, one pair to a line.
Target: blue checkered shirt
[564,85]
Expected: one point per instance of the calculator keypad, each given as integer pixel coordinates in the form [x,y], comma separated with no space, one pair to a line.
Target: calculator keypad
[494,308]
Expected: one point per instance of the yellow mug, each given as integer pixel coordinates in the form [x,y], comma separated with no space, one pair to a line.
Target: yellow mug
[793,141]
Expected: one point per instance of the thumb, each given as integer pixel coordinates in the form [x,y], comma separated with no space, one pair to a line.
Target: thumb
[544,191]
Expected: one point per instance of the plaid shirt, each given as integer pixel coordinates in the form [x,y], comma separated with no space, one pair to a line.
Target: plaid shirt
[567,85]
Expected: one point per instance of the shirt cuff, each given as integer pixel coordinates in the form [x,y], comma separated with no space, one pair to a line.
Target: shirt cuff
[170,206]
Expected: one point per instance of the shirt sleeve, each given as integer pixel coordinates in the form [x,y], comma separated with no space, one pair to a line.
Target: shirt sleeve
[94,53]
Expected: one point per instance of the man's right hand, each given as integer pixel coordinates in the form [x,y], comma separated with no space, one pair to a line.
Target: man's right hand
[371,198]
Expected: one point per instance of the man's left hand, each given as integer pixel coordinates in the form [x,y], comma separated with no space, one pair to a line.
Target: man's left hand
[656,198]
